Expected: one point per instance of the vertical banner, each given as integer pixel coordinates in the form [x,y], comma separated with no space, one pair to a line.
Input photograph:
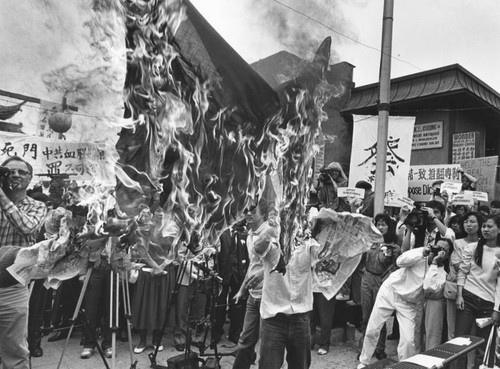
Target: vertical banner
[47,109]
[319,159]
[364,152]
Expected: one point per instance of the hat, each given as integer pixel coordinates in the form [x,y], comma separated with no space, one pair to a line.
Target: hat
[364,185]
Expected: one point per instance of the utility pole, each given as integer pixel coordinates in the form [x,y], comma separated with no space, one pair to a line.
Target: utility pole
[384,105]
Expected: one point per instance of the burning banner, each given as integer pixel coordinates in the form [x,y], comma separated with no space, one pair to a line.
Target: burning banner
[208,131]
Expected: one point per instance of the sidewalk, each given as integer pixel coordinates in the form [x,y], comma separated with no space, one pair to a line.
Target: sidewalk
[341,356]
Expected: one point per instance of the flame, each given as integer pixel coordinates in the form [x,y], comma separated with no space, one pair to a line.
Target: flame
[210,162]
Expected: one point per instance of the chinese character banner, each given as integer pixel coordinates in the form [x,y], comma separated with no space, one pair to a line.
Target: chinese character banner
[421,177]
[84,161]
[398,153]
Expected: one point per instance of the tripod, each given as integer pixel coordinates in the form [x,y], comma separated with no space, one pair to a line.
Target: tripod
[113,318]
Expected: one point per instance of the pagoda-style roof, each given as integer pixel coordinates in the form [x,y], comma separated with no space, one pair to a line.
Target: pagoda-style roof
[447,88]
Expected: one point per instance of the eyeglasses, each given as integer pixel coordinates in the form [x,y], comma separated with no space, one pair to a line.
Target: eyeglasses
[21,172]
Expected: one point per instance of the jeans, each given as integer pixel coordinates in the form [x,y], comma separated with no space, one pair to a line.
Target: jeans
[14,327]
[249,336]
[290,332]
[325,310]
[474,307]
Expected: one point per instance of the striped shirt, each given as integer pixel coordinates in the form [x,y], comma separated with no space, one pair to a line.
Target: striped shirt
[19,225]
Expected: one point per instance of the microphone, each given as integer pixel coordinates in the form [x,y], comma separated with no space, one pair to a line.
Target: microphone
[206,270]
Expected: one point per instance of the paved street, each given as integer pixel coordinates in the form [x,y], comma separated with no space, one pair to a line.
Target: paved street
[342,355]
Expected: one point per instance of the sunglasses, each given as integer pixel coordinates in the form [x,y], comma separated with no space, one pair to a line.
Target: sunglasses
[21,172]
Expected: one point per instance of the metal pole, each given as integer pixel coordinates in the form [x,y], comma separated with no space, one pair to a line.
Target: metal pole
[383,106]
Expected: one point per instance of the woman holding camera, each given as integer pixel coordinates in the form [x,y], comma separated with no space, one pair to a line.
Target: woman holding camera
[379,258]
[471,224]
[478,292]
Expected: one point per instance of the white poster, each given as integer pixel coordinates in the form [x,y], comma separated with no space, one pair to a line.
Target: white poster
[364,152]
[421,177]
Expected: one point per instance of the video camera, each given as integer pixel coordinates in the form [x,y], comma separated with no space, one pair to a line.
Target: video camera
[325,177]
[4,177]
[418,219]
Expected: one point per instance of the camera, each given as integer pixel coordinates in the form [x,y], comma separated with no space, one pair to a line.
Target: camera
[324,177]
[435,249]
[4,177]
[418,219]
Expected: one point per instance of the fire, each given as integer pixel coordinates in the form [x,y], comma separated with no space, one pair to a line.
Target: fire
[203,163]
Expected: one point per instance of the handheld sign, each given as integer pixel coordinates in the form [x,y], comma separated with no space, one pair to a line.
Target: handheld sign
[352,192]
[463,199]
[451,187]
[478,195]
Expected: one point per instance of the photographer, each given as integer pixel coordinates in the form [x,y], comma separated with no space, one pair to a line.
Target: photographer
[403,293]
[329,180]
[429,222]
[20,220]
[427,231]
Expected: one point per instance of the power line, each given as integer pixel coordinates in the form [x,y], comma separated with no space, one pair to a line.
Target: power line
[343,35]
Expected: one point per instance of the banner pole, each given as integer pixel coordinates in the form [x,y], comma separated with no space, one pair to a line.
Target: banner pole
[384,105]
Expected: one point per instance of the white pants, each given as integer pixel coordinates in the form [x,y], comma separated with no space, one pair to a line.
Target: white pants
[386,303]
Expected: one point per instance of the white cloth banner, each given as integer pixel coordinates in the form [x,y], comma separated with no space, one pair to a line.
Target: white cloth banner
[364,152]
[82,160]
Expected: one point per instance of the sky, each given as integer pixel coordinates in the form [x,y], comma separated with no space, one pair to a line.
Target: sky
[44,38]
[427,34]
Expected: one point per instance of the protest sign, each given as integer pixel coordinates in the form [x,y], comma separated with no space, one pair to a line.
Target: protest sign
[484,170]
[478,195]
[463,199]
[352,192]
[421,177]
[451,187]
[343,237]
[82,160]
[399,201]
[364,152]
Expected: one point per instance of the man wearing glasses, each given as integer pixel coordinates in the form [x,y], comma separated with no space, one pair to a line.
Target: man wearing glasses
[20,220]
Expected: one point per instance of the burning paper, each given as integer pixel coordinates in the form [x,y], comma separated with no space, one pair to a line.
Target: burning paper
[343,237]
[37,261]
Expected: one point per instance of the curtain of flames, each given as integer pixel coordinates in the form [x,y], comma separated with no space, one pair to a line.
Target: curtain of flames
[176,116]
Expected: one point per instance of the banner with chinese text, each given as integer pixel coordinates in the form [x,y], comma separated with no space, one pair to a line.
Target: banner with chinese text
[364,152]
[421,177]
[82,160]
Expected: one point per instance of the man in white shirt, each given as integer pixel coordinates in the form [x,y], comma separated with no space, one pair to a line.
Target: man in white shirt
[259,227]
[286,302]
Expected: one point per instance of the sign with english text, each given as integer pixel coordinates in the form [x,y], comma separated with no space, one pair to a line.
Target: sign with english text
[82,160]
[398,152]
[484,170]
[356,193]
[428,136]
[421,177]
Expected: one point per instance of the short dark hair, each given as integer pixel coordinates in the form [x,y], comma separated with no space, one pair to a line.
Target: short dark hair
[364,185]
[437,205]
[17,158]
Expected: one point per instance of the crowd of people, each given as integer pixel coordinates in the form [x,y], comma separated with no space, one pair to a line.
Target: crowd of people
[434,273]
